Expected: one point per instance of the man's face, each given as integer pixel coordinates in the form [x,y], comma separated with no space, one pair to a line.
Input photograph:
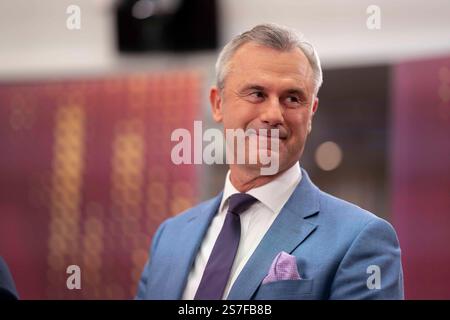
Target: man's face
[269,89]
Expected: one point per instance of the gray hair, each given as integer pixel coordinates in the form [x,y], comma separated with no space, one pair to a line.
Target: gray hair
[272,36]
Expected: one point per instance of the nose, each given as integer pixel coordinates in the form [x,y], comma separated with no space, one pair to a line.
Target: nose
[272,113]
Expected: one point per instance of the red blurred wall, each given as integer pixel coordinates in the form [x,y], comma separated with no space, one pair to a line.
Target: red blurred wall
[420,173]
[86,177]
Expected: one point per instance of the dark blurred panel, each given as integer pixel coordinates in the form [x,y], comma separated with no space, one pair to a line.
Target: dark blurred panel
[353,113]
[166,25]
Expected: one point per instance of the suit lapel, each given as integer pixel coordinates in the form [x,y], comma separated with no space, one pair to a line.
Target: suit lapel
[287,232]
[185,248]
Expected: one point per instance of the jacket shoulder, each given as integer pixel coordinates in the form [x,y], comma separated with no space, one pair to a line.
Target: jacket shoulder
[346,214]
[190,213]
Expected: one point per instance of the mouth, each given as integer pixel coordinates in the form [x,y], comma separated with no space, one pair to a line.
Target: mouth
[268,135]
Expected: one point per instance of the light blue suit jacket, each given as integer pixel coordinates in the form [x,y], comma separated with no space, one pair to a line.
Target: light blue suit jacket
[342,251]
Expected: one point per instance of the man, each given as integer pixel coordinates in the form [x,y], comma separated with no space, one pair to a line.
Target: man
[272,236]
[7,287]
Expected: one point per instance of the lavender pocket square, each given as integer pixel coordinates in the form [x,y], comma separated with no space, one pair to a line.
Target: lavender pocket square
[284,267]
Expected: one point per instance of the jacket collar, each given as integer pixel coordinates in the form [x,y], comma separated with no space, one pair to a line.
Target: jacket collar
[287,232]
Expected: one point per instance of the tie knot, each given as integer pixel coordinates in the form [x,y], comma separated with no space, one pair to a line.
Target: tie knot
[239,202]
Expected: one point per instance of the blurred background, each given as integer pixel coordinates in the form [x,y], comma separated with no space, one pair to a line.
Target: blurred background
[90,91]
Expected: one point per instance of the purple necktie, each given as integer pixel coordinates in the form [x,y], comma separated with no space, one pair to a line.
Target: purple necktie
[217,271]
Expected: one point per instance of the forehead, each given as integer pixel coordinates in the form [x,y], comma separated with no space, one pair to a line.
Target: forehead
[254,62]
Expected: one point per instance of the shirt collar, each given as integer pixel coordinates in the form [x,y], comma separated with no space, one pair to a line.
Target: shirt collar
[273,194]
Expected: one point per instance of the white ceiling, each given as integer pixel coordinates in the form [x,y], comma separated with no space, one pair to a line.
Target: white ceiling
[35,41]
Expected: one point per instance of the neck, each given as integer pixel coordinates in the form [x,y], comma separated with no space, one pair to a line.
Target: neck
[244,179]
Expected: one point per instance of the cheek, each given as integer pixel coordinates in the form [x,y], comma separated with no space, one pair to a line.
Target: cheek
[298,124]
[238,115]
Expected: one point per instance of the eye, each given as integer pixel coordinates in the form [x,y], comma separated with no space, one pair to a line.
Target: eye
[256,96]
[293,100]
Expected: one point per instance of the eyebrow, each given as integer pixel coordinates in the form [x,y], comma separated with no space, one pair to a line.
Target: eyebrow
[252,87]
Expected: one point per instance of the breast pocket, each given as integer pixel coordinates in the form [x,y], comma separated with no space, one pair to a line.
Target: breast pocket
[285,290]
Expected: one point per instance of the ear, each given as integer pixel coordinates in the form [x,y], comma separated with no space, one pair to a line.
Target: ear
[216,104]
[313,112]
[315,106]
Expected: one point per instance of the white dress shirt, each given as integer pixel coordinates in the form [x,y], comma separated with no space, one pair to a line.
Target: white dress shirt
[255,222]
